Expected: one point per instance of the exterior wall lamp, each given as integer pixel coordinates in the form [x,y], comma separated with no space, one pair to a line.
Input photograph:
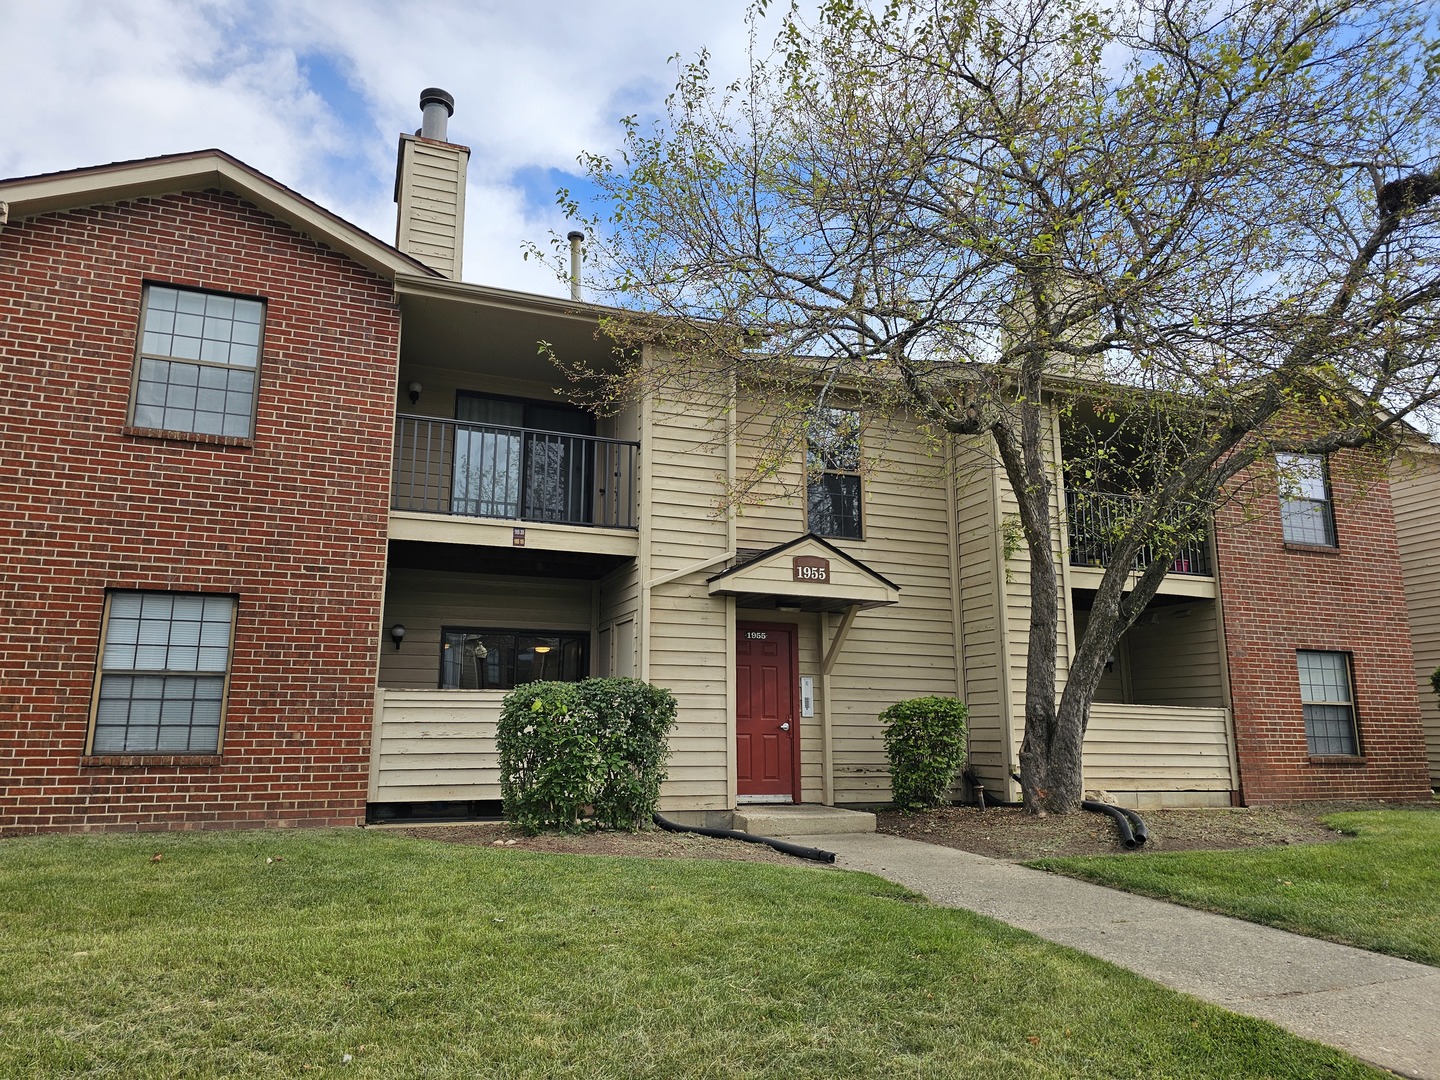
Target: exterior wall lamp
[397,634]
[414,389]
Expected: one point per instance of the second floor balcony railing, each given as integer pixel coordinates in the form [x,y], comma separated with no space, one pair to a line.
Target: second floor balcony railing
[1094,517]
[520,474]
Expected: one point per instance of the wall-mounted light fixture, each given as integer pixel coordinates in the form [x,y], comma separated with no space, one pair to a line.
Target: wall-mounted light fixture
[397,634]
[415,389]
[542,649]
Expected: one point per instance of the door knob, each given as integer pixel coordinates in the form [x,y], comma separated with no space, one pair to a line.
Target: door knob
[785,726]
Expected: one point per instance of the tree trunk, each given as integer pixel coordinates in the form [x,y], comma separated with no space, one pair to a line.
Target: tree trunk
[1050,753]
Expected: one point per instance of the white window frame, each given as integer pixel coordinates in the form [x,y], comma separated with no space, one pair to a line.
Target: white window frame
[1304,484]
[146,664]
[1347,703]
[226,319]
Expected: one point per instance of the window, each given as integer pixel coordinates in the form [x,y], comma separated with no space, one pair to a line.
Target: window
[832,470]
[1328,703]
[164,665]
[199,354]
[495,659]
[1305,499]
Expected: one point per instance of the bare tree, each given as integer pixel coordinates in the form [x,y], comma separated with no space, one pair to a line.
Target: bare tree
[1205,232]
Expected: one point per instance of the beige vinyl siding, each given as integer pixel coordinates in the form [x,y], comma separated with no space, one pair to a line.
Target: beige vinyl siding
[978,537]
[1157,755]
[435,746]
[619,624]
[905,650]
[686,645]
[431,198]
[774,509]
[1172,658]
[1415,495]
[1175,660]
[426,600]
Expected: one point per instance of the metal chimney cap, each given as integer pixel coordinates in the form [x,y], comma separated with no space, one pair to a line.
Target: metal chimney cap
[433,95]
[575,234]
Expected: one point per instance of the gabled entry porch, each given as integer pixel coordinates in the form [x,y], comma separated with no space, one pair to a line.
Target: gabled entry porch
[773,693]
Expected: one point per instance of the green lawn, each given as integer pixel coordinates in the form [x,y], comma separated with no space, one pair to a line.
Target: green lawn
[279,954]
[1379,890]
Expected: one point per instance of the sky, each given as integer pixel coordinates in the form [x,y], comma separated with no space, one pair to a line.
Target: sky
[316,92]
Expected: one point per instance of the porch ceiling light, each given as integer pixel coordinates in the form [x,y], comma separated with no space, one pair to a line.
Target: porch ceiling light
[542,649]
[415,389]
[397,634]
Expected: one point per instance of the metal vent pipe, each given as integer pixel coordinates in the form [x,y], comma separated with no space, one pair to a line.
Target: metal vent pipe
[436,108]
[576,238]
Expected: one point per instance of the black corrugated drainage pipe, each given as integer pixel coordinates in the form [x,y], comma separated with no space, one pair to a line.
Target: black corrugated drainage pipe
[814,854]
[1137,826]
[1128,823]
[1122,821]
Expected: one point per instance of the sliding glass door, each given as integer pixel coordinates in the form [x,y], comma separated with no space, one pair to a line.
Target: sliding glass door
[522,460]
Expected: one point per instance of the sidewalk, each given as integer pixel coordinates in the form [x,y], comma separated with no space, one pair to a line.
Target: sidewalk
[1381,1009]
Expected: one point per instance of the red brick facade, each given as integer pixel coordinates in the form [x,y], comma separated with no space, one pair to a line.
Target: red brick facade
[1278,598]
[291,521]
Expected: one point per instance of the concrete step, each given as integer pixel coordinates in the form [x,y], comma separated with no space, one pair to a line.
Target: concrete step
[778,819]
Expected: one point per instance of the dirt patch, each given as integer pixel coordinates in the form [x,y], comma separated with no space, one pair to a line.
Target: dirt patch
[1000,832]
[647,844]
[1010,833]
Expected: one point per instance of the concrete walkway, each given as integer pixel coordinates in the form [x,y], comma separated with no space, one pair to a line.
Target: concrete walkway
[1383,1010]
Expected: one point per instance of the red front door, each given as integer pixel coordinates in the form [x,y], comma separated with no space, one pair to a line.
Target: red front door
[765,714]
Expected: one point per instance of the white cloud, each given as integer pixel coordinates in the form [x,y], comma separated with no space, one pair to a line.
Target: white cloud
[315,92]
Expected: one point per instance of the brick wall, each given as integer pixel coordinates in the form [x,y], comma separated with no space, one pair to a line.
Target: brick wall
[1279,598]
[292,521]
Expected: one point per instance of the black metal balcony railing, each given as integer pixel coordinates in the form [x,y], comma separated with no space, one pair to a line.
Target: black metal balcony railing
[521,474]
[1093,517]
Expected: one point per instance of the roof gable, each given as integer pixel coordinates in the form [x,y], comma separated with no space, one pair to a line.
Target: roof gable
[780,574]
[29,196]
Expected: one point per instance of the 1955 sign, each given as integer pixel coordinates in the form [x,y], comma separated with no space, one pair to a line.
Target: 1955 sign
[810,568]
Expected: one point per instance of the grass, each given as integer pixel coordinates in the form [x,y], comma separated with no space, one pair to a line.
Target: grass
[361,954]
[1379,890]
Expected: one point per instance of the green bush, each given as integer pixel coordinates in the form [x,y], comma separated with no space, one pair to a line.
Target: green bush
[591,752]
[925,742]
[634,720]
[1435,680]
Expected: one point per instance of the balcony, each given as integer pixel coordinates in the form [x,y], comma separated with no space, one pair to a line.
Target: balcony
[1100,516]
[515,474]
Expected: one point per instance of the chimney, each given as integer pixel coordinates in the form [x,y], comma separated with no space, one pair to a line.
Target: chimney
[430,189]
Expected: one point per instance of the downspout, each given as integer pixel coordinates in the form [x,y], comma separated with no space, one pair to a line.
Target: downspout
[1062,523]
[957,621]
[645,512]
[732,543]
[1004,677]
[1237,789]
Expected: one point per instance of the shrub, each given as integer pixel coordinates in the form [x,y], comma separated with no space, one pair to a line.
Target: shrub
[925,742]
[1435,680]
[592,751]
[634,720]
